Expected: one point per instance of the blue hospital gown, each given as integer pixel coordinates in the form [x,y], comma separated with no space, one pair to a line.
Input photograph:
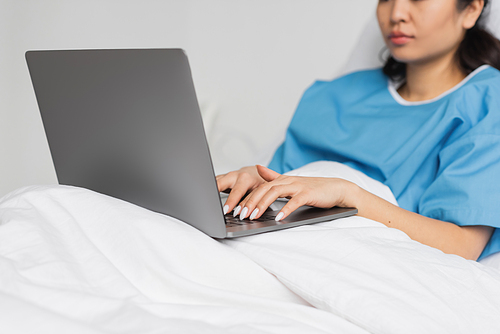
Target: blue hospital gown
[440,158]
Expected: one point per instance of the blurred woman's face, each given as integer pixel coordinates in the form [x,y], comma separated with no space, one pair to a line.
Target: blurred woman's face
[418,31]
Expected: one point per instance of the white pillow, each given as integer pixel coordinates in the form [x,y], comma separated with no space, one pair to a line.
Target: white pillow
[492,261]
[493,18]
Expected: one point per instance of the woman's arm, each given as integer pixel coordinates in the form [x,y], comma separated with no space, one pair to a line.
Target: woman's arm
[467,241]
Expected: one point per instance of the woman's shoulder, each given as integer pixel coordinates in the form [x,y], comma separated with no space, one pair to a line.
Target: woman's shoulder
[352,85]
[478,101]
[369,78]
[484,78]
[481,87]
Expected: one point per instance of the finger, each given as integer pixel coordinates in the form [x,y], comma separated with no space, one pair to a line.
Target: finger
[259,200]
[293,204]
[222,184]
[247,208]
[249,203]
[275,192]
[267,174]
[225,181]
[240,188]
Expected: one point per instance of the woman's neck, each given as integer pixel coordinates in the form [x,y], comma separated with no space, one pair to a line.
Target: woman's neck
[427,80]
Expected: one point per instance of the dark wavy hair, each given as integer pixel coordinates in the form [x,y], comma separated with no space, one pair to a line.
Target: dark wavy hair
[479,47]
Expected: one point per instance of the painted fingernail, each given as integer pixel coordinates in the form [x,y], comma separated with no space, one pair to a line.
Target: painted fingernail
[226,209]
[254,214]
[279,216]
[236,211]
[243,213]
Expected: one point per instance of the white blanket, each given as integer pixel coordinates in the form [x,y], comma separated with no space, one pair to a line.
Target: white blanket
[74,261]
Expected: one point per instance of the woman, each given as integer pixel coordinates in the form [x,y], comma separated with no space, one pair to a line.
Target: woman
[427,125]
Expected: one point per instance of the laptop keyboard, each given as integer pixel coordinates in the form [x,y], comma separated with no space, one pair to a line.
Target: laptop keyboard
[235,221]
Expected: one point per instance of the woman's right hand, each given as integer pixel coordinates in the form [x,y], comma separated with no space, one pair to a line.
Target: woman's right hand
[240,182]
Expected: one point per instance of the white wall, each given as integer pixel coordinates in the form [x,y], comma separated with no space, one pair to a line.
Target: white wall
[251,61]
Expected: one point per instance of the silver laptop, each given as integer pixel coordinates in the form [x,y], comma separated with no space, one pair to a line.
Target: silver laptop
[126,123]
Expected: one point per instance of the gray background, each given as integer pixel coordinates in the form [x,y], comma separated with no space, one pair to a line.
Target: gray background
[251,61]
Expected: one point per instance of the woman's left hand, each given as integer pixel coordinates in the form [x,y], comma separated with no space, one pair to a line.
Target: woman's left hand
[313,191]
[466,241]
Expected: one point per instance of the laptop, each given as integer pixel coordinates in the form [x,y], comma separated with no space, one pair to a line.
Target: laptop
[126,123]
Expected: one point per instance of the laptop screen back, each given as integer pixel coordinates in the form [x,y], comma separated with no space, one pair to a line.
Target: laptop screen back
[126,123]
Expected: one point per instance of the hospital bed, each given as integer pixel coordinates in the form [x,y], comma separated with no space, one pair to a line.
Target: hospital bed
[75,261]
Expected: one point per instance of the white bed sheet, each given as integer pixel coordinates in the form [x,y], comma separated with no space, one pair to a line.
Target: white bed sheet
[79,261]
[74,261]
